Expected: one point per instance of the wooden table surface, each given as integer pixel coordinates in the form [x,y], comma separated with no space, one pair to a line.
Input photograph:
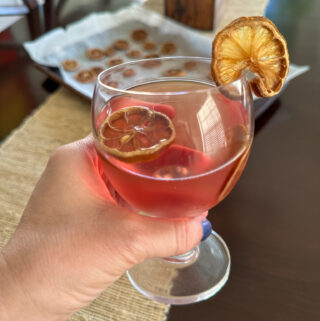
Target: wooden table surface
[271,220]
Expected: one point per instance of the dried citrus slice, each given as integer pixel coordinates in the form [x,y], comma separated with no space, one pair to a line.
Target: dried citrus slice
[254,44]
[136,133]
[70,64]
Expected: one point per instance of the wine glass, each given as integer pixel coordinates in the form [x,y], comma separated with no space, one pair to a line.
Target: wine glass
[213,134]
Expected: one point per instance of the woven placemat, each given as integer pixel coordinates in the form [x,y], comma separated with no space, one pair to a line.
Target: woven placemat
[63,118]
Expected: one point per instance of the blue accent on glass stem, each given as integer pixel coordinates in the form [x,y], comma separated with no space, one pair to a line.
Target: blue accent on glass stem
[206,228]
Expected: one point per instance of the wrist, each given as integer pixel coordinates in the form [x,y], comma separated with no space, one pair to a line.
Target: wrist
[16,302]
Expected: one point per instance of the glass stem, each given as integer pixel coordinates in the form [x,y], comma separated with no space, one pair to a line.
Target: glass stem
[184,259]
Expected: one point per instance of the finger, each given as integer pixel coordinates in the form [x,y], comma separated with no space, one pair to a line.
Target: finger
[162,237]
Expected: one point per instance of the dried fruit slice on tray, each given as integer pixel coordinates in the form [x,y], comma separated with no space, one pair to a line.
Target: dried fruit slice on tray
[85,76]
[139,35]
[70,64]
[254,44]
[95,54]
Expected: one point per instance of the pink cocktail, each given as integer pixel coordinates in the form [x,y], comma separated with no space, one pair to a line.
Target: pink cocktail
[213,135]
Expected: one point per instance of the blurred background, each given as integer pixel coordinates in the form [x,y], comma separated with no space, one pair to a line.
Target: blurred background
[23,87]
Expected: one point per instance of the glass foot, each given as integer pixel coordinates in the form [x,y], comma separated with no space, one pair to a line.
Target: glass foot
[197,276]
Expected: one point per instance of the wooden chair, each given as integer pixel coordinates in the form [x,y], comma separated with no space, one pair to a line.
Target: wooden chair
[32,10]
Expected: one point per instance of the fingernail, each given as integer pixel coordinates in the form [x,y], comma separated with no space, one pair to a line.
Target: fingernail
[206,229]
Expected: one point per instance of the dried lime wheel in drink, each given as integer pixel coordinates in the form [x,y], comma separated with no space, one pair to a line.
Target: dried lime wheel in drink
[136,133]
[254,44]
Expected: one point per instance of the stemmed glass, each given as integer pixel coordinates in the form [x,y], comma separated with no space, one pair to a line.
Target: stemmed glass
[213,135]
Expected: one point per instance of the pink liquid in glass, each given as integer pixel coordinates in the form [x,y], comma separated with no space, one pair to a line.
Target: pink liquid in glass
[202,165]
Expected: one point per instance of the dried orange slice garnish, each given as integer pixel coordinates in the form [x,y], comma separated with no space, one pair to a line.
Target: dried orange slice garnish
[254,44]
[136,133]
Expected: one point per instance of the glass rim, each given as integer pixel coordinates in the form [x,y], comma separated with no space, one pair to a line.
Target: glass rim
[149,93]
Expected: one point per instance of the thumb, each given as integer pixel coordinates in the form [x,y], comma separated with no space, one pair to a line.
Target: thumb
[173,237]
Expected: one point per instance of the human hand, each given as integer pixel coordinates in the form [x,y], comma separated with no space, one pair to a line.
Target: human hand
[73,240]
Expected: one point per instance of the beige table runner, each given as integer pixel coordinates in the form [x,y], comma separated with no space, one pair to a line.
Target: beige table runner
[63,118]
